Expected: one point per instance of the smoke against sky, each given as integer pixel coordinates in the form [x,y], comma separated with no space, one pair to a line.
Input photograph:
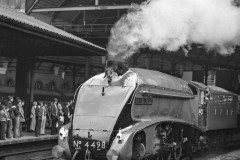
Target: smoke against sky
[171,24]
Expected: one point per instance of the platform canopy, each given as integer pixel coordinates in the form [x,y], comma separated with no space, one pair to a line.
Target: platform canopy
[93,20]
[23,35]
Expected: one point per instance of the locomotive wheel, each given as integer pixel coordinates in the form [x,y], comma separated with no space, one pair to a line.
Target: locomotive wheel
[138,151]
[173,154]
[177,152]
[163,156]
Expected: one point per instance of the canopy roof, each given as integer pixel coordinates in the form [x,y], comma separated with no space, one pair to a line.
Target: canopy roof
[91,19]
[94,19]
[25,34]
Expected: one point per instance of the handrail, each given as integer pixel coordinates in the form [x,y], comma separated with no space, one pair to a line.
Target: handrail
[177,96]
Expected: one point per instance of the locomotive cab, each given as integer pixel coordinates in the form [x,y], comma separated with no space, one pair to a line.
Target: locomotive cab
[201,97]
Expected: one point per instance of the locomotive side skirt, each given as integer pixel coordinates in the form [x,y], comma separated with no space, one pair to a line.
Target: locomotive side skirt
[148,139]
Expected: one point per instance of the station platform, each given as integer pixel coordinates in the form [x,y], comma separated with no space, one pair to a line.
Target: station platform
[28,137]
[28,147]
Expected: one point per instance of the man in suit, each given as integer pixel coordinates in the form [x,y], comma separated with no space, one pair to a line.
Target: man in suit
[10,116]
[38,113]
[66,114]
[54,116]
[17,115]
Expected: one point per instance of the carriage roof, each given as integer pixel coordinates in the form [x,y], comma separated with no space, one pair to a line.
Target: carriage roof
[212,89]
[215,89]
[198,85]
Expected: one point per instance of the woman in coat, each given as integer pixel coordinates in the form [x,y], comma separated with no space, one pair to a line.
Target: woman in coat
[38,119]
[22,118]
[17,115]
[43,108]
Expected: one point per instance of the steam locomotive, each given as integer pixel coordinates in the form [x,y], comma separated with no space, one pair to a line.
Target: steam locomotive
[146,114]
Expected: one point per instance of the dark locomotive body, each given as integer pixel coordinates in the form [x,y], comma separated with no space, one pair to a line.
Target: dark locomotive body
[144,114]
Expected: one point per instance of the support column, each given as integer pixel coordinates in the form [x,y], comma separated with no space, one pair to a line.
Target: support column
[23,69]
[24,82]
[31,85]
[206,69]
[74,75]
[87,68]
[173,67]
[74,70]
[148,59]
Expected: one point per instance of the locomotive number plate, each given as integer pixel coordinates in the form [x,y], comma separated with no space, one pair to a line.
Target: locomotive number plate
[143,101]
[96,145]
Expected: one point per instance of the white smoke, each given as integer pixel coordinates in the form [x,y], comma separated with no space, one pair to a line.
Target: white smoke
[171,24]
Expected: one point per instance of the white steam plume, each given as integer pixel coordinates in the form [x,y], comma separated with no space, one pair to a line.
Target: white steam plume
[171,24]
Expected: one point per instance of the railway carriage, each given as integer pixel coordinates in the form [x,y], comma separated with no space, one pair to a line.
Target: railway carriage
[141,114]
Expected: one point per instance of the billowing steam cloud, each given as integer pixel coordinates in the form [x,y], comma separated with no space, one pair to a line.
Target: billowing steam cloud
[171,24]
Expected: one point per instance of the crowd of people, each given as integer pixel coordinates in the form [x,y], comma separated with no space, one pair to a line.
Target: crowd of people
[43,114]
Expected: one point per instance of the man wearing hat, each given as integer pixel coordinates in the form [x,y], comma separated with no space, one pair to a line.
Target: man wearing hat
[38,113]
